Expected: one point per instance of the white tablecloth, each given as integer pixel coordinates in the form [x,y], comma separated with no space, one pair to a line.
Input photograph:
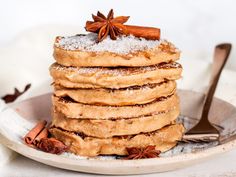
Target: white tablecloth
[26,60]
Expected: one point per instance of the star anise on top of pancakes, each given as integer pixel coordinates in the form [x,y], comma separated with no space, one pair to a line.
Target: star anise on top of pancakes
[142,153]
[105,26]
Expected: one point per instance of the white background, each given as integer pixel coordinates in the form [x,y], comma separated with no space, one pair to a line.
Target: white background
[192,25]
[28,28]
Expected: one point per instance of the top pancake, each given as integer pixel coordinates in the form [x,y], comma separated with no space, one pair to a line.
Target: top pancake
[83,51]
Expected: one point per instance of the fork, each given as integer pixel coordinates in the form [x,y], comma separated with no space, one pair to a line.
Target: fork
[204,131]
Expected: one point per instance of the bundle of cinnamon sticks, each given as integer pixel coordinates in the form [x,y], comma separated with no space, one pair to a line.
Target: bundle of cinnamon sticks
[38,137]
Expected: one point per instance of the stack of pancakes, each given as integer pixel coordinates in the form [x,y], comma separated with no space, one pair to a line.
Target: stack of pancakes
[112,95]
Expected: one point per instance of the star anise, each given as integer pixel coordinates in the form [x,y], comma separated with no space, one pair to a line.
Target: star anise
[105,26]
[142,153]
[52,145]
[12,97]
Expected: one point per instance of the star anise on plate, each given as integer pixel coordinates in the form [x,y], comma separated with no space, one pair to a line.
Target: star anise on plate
[142,153]
[105,26]
[52,145]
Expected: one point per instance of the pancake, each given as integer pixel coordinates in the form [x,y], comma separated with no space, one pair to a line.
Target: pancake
[110,128]
[74,77]
[120,97]
[164,139]
[78,110]
[83,51]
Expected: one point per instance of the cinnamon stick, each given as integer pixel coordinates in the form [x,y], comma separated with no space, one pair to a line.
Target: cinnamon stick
[150,33]
[41,135]
[29,137]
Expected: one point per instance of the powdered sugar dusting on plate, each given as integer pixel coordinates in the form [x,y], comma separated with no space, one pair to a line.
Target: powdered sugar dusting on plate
[122,45]
[179,149]
[20,126]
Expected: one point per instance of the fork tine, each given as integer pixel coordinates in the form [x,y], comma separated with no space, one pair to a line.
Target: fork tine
[200,137]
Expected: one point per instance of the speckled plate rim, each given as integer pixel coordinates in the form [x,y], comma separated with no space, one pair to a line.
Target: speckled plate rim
[115,166]
[118,167]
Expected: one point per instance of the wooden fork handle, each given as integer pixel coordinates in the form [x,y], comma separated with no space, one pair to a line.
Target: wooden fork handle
[221,55]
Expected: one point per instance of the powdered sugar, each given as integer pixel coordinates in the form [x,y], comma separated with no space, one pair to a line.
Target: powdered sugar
[181,148]
[114,71]
[81,70]
[123,44]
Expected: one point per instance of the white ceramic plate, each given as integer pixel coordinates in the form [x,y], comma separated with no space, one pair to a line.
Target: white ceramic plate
[14,124]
